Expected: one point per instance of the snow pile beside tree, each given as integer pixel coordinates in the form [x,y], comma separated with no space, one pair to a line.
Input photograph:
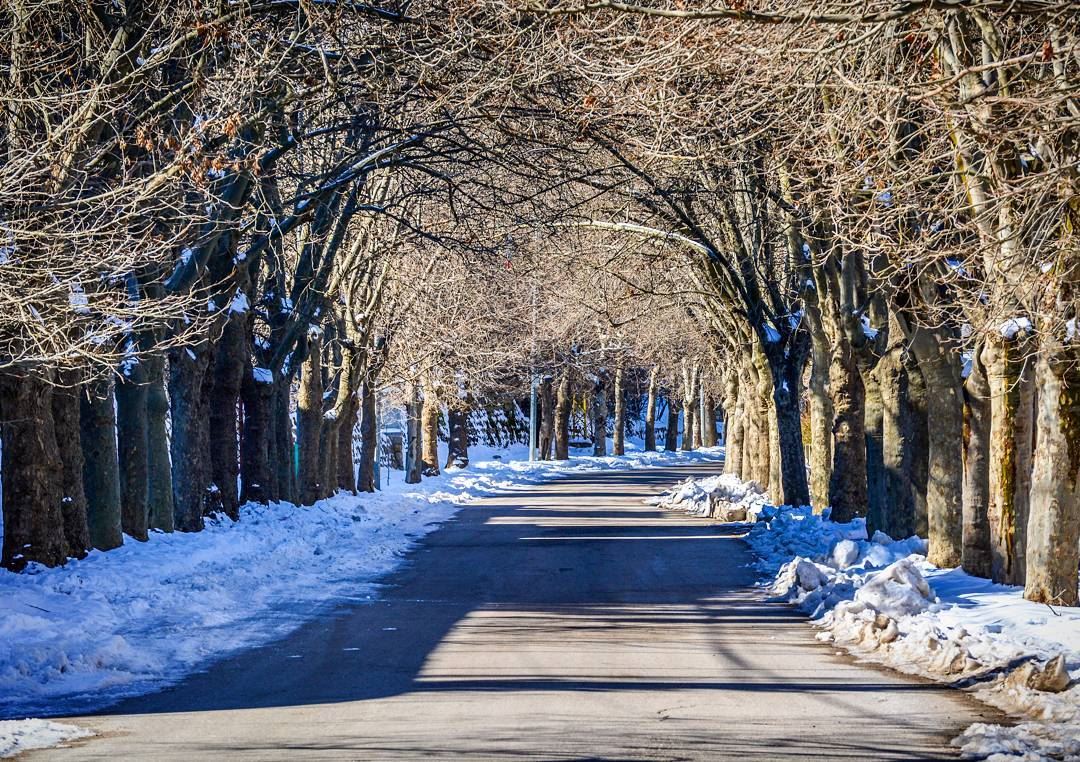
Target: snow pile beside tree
[881,600]
[723,497]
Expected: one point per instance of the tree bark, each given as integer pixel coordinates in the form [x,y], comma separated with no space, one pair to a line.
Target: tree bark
[671,433]
[945,420]
[285,460]
[599,414]
[1010,375]
[821,416]
[618,444]
[189,445]
[230,359]
[650,410]
[735,434]
[309,422]
[159,499]
[255,444]
[708,430]
[430,428]
[847,485]
[976,558]
[346,467]
[919,448]
[65,413]
[1053,547]
[101,471]
[457,421]
[547,417]
[368,442]
[34,529]
[563,401]
[899,520]
[133,444]
[413,459]
[877,505]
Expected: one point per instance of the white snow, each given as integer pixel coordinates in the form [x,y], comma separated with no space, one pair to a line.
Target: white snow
[17,736]
[880,599]
[262,375]
[239,303]
[1013,326]
[138,618]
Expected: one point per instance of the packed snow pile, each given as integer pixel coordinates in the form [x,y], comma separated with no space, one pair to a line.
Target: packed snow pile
[723,497]
[144,615]
[17,736]
[879,598]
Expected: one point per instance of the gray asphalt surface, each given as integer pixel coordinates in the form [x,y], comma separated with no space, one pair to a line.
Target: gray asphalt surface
[560,622]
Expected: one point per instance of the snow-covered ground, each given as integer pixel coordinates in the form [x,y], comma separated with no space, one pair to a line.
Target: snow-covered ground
[881,600]
[143,616]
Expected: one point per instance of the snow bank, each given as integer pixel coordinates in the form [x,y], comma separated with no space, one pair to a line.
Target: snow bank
[880,599]
[724,497]
[17,736]
[140,617]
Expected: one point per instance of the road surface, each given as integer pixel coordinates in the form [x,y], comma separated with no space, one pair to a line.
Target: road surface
[560,622]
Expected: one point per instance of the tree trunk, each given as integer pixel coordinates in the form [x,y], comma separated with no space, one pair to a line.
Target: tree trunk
[189,444]
[599,414]
[1054,525]
[547,417]
[34,529]
[899,520]
[688,421]
[309,422]
[1009,373]
[230,359]
[563,402]
[255,445]
[159,498]
[328,456]
[945,417]
[847,486]
[285,460]
[65,414]
[457,422]
[101,471]
[346,467]
[650,410]
[976,558]
[413,460]
[735,434]
[671,433]
[618,444]
[430,428]
[708,430]
[368,438]
[877,505]
[821,420]
[133,444]
[919,447]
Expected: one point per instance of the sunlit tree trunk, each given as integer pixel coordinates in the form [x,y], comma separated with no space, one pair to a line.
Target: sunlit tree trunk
[650,410]
[430,428]
[309,422]
[618,445]
[368,432]
[413,459]
[976,557]
[547,417]
[821,413]
[158,466]
[564,399]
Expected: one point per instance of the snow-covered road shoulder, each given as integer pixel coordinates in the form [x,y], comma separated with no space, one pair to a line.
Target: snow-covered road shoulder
[880,599]
[141,617]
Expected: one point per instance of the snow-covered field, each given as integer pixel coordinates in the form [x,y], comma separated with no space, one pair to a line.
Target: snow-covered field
[881,600]
[143,616]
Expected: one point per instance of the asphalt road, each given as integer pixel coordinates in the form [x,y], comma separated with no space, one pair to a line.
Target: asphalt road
[562,622]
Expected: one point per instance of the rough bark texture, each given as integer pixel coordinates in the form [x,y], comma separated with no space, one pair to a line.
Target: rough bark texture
[365,482]
[600,414]
[547,417]
[309,421]
[563,402]
[133,442]
[735,433]
[32,493]
[430,429]
[230,357]
[413,460]
[945,416]
[899,519]
[284,462]
[101,472]
[821,418]
[847,485]
[708,430]
[618,442]
[1011,378]
[873,426]
[976,557]
[159,499]
[919,448]
[346,468]
[1054,528]
[457,421]
[689,424]
[650,410]
[671,434]
[257,397]
[65,413]
[189,444]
